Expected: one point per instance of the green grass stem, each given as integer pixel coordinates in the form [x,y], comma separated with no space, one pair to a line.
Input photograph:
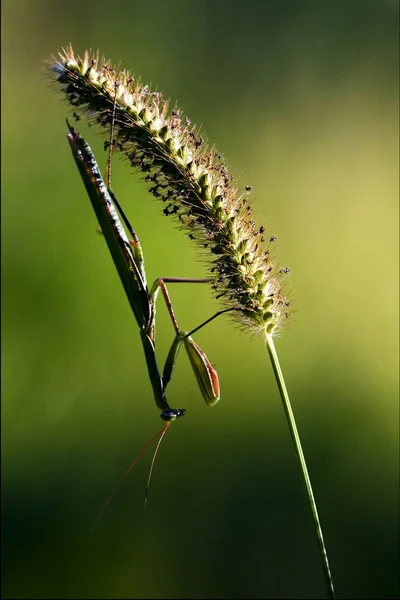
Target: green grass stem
[302,461]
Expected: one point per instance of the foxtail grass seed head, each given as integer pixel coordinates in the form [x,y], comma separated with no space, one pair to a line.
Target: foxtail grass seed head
[190,179]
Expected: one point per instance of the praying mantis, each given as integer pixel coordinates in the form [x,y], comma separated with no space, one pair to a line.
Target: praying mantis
[129,261]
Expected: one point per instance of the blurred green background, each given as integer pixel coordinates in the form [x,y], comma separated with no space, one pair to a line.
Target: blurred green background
[302,100]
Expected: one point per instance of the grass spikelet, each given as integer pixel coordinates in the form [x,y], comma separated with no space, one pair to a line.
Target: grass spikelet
[190,179]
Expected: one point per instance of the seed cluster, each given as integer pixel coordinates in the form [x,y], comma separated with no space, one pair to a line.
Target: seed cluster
[190,178]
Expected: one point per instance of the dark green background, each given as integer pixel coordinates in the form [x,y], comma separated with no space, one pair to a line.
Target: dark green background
[301,97]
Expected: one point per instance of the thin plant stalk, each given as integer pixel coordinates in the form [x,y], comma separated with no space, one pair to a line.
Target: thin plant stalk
[302,462]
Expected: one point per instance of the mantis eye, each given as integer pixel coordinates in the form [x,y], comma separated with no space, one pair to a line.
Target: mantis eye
[172,414]
[206,375]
